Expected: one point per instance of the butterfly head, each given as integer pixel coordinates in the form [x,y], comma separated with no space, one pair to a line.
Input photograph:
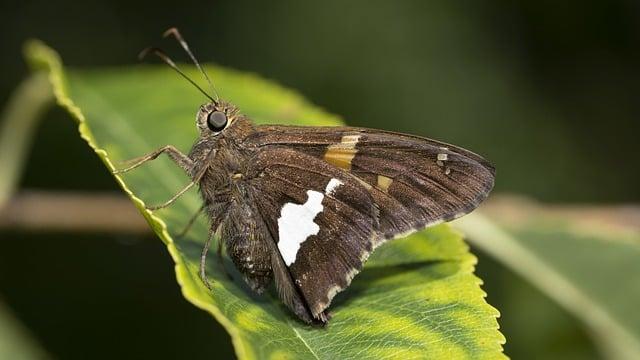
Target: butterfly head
[214,117]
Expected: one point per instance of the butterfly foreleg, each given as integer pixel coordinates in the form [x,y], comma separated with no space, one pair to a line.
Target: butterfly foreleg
[178,157]
[182,160]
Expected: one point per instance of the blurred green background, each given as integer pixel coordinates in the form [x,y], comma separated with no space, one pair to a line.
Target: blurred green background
[549,92]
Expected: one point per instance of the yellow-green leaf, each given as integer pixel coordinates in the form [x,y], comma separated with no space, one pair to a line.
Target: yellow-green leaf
[416,298]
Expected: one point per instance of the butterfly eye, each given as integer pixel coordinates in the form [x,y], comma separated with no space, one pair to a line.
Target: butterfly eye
[216,121]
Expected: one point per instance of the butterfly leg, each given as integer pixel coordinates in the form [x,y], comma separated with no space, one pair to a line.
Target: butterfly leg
[179,158]
[221,260]
[203,260]
[195,180]
[173,199]
[191,222]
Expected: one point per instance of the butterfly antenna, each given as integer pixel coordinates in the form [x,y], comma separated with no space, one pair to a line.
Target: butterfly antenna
[176,33]
[159,53]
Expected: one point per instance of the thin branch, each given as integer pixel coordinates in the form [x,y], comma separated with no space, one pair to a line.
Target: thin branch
[516,211]
[37,211]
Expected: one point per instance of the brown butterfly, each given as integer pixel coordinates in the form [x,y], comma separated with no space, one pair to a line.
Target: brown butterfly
[305,206]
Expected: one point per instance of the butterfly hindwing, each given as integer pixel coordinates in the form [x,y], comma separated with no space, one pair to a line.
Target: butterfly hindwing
[322,220]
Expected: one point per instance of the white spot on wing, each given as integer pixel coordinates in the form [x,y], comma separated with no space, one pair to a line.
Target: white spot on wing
[296,225]
[332,185]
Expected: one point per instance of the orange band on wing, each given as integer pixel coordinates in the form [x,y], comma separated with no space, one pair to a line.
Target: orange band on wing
[342,154]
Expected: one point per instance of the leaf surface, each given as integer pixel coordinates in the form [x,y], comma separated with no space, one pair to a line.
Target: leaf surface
[416,298]
[587,259]
[15,340]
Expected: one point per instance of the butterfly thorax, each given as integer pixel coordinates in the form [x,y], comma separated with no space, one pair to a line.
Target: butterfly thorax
[225,193]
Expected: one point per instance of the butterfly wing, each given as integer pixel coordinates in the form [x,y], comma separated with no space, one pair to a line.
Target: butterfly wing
[322,220]
[329,196]
[415,182]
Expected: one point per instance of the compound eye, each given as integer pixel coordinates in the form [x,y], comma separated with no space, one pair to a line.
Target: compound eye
[217,121]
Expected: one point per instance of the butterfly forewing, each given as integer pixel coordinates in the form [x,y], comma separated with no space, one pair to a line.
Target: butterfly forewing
[414,181]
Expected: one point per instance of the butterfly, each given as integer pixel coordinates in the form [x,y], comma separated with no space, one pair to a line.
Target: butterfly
[304,207]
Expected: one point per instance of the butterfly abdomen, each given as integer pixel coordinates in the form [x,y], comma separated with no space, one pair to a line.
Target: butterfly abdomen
[247,246]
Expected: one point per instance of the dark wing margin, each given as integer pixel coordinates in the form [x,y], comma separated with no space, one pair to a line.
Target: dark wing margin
[415,182]
[344,218]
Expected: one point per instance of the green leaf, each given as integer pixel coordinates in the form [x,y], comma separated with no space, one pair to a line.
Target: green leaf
[586,259]
[19,120]
[15,341]
[417,297]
